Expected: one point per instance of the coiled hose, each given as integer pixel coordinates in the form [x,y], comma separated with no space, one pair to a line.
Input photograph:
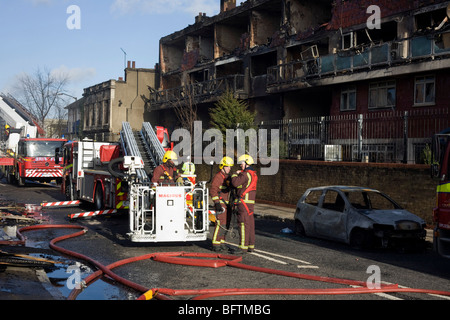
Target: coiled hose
[213,261]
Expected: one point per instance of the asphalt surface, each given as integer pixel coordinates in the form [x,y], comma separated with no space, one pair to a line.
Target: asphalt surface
[31,283]
[25,283]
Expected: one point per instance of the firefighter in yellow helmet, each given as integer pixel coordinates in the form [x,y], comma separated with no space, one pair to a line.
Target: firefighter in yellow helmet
[245,181]
[220,194]
[167,171]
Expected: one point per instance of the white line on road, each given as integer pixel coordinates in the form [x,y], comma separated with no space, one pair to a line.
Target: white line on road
[430,294]
[265,255]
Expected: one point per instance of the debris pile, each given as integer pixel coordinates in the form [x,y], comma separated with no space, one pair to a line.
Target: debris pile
[14,216]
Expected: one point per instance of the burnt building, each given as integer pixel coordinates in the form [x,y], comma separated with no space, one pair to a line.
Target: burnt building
[322,59]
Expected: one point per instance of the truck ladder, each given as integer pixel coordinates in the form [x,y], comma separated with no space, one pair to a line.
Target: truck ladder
[152,145]
[144,144]
[131,148]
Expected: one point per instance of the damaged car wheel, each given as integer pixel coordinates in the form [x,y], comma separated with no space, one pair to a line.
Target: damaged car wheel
[359,239]
[299,229]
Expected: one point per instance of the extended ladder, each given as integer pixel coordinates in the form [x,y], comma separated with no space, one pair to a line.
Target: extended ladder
[143,144]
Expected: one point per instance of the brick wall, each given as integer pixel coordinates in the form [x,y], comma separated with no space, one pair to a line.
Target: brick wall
[409,185]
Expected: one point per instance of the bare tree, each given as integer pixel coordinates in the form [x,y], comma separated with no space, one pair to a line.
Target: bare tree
[186,108]
[41,93]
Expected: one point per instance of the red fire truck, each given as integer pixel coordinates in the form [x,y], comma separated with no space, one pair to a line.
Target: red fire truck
[441,214]
[117,175]
[86,175]
[34,160]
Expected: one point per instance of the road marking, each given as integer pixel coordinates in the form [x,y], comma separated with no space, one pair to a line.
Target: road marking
[430,294]
[267,258]
[265,255]
[382,294]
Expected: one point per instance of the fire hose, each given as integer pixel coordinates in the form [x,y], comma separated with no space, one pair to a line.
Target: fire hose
[211,260]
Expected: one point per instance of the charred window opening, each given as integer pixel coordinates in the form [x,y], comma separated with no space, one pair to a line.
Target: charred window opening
[260,63]
[430,20]
[199,76]
[387,33]
[229,69]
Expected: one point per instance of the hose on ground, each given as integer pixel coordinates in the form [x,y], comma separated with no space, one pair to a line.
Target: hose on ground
[212,260]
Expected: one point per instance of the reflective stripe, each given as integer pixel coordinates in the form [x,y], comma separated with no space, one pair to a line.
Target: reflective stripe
[249,180]
[443,188]
[216,232]
[242,244]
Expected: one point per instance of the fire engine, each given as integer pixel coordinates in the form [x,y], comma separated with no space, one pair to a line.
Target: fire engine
[34,160]
[441,214]
[117,175]
[25,155]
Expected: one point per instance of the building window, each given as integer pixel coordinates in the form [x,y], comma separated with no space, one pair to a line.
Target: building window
[382,95]
[100,113]
[348,99]
[348,40]
[106,112]
[424,91]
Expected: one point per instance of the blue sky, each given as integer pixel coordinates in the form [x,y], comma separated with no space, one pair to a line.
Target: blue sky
[34,34]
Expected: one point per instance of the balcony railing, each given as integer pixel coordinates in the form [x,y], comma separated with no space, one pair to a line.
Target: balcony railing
[353,60]
[199,91]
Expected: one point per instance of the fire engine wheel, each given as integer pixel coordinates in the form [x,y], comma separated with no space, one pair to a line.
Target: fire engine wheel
[70,192]
[98,200]
[10,177]
[20,180]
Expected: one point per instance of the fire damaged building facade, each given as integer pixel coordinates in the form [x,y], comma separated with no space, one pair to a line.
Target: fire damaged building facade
[343,65]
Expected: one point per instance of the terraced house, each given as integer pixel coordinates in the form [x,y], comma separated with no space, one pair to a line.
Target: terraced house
[357,80]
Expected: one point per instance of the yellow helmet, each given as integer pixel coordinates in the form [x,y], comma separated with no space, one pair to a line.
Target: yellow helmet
[226,162]
[247,159]
[170,155]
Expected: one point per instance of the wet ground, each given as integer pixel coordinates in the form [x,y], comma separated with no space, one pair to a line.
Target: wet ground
[35,272]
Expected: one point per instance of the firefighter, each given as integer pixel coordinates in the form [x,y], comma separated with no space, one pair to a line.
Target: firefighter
[167,171]
[220,194]
[187,173]
[245,181]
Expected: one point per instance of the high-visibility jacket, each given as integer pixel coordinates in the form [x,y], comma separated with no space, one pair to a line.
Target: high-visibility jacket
[220,188]
[245,184]
[165,173]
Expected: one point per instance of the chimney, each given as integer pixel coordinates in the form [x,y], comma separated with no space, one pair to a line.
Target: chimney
[128,64]
[134,64]
[200,17]
[226,5]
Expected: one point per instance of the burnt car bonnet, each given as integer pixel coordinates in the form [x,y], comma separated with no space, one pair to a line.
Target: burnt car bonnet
[390,216]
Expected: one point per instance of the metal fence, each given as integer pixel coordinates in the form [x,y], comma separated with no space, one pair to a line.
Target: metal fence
[387,136]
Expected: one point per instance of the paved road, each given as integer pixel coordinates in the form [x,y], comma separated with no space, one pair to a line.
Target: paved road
[106,242]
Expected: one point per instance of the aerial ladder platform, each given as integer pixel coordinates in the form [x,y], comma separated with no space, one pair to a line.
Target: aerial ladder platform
[175,212]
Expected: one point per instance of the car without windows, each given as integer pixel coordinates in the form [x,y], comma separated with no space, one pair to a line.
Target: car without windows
[358,216]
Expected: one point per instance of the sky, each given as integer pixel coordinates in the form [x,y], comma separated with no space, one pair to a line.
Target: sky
[86,39]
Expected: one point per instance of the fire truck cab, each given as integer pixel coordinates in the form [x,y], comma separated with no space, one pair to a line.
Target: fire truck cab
[35,160]
[441,214]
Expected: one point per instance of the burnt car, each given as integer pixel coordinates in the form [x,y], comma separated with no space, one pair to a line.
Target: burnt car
[358,216]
